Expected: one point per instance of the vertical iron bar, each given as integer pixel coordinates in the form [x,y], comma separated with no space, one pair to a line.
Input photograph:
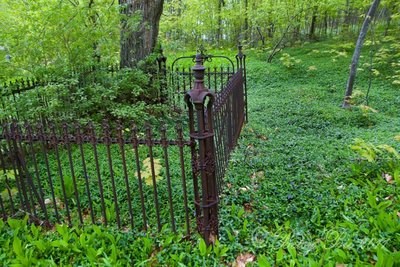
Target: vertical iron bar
[71,166]
[189,73]
[43,142]
[221,79]
[121,142]
[241,64]
[107,141]
[149,142]
[14,160]
[178,87]
[215,80]
[135,145]
[164,144]
[3,166]
[3,210]
[209,78]
[183,176]
[93,140]
[79,141]
[54,141]
[23,176]
[33,154]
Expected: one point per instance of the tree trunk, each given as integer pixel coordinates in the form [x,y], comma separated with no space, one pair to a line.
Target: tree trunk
[357,51]
[346,22]
[262,37]
[388,20]
[311,34]
[326,24]
[219,27]
[93,20]
[138,41]
[246,20]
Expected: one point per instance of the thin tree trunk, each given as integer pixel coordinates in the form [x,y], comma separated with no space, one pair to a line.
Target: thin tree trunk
[346,22]
[93,20]
[388,20]
[219,27]
[262,37]
[326,23]
[357,51]
[278,46]
[311,34]
[138,42]
[246,20]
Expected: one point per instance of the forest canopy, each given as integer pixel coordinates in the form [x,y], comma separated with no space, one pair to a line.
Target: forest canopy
[44,35]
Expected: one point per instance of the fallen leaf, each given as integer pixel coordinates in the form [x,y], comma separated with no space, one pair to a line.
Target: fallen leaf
[312,68]
[246,188]
[255,175]
[398,214]
[248,207]
[397,137]
[340,265]
[149,179]
[388,178]
[262,137]
[146,173]
[243,259]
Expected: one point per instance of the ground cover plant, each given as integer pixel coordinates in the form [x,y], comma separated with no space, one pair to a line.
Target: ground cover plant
[310,183]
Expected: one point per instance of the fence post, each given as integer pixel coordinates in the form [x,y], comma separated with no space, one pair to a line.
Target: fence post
[241,64]
[199,101]
[162,71]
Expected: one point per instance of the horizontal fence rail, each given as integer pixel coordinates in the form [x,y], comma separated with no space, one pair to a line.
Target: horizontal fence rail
[114,176]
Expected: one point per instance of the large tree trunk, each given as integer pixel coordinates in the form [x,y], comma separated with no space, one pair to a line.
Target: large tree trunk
[357,51]
[138,40]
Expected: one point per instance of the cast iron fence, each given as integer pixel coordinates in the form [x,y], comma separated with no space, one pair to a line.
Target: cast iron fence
[175,81]
[113,174]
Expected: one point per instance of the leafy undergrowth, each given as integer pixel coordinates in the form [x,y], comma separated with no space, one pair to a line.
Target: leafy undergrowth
[310,183]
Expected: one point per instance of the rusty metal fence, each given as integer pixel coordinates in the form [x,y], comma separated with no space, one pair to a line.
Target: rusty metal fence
[115,174]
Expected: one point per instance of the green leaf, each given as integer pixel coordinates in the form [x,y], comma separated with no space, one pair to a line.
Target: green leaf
[372,200]
[279,255]
[40,245]
[263,261]
[203,247]
[292,251]
[17,247]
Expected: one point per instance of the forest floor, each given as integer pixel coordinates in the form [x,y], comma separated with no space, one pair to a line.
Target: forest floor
[310,183]
[302,186]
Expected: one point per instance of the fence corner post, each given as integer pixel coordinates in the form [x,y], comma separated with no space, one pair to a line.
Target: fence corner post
[199,101]
[241,64]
